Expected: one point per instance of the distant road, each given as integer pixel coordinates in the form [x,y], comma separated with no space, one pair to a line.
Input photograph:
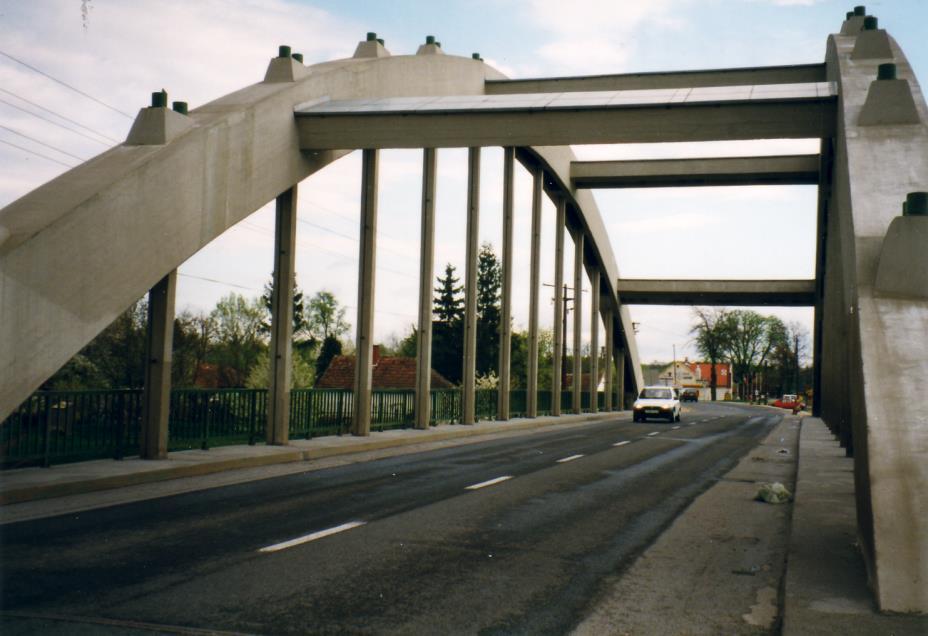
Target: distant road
[508,536]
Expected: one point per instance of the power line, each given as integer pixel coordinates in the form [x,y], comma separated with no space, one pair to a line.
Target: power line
[41,143]
[66,85]
[219,282]
[37,154]
[53,122]
[50,111]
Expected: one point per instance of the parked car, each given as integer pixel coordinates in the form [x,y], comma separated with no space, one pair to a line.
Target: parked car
[657,401]
[789,401]
[689,395]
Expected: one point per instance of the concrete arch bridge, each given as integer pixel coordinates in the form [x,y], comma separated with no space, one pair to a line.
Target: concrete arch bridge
[77,251]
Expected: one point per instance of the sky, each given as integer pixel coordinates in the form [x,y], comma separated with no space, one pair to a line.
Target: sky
[116,53]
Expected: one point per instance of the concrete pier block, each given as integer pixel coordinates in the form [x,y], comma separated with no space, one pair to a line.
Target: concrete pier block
[156,126]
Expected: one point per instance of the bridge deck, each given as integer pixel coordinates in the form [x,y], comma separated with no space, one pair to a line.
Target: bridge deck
[804,110]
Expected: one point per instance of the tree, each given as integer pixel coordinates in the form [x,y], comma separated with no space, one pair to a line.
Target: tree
[115,359]
[331,347]
[193,334]
[238,337]
[299,318]
[750,337]
[448,327]
[325,316]
[711,339]
[302,373]
[489,281]
[448,304]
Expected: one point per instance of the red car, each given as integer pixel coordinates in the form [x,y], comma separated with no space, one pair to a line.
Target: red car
[789,401]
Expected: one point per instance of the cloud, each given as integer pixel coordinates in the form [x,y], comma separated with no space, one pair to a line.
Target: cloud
[596,36]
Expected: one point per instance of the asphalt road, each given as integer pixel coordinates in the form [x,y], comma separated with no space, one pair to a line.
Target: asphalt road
[408,544]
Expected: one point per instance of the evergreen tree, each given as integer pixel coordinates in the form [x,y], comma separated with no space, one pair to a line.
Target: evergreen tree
[331,347]
[300,325]
[448,327]
[489,281]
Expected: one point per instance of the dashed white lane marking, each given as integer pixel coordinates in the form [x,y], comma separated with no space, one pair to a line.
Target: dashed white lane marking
[312,537]
[489,482]
[675,428]
[654,433]
[568,459]
[623,443]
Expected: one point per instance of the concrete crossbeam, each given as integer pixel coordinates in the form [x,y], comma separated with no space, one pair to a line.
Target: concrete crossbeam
[745,112]
[781,293]
[724,171]
[682,79]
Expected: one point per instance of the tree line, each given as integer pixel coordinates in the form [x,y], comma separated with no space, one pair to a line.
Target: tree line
[765,353]
[226,347]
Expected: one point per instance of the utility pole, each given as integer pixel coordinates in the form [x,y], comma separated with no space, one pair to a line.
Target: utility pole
[674,365]
[564,332]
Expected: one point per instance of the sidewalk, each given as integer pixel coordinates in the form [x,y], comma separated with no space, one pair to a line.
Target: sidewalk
[826,589]
[34,484]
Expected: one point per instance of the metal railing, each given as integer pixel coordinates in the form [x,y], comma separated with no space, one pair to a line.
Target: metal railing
[63,426]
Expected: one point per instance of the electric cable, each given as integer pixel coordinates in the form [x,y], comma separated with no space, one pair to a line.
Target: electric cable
[37,154]
[66,85]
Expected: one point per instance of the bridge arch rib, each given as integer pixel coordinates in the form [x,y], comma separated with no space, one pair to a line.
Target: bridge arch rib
[75,252]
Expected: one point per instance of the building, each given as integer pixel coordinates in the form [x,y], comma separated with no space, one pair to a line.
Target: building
[389,372]
[698,375]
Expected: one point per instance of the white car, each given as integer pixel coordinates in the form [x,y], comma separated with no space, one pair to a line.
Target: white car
[657,401]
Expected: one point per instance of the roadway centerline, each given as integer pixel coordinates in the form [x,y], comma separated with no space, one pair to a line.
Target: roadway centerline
[489,482]
[675,428]
[312,537]
[654,433]
[569,459]
[623,443]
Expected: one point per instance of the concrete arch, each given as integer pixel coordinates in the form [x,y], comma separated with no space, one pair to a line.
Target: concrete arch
[75,252]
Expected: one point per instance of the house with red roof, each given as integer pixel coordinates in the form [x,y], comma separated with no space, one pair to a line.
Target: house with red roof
[389,372]
[698,375]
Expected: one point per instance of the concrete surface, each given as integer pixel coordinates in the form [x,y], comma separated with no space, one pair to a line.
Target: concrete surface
[717,292]
[826,589]
[875,347]
[718,568]
[664,173]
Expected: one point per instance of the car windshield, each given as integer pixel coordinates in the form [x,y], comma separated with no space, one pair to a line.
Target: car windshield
[655,394]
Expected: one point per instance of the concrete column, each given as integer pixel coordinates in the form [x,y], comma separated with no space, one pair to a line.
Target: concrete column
[531,399]
[821,230]
[505,321]
[594,340]
[557,358]
[470,286]
[361,417]
[620,378]
[607,362]
[156,398]
[426,272]
[281,351]
[578,321]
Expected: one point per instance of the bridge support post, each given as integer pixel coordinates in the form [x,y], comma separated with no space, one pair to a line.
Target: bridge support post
[426,271]
[607,361]
[557,358]
[468,410]
[281,351]
[156,398]
[505,322]
[531,400]
[594,340]
[578,322]
[620,378]
[361,417]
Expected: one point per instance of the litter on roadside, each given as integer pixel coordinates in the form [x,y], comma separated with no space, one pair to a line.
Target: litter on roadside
[775,493]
